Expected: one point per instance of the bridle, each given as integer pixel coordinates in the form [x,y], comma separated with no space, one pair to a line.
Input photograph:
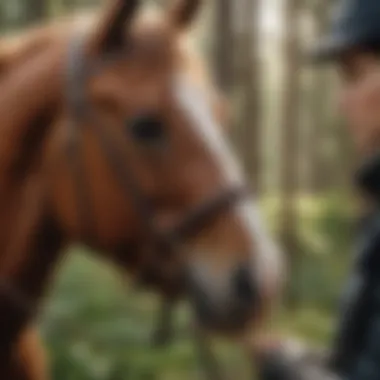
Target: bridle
[164,243]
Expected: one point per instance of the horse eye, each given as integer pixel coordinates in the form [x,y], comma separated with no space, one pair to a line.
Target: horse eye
[147,129]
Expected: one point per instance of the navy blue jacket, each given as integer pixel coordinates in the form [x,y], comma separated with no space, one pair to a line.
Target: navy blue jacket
[355,354]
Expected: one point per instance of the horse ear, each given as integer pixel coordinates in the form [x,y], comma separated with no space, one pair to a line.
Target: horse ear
[184,12]
[109,31]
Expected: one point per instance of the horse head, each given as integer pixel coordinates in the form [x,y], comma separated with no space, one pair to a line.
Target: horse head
[139,163]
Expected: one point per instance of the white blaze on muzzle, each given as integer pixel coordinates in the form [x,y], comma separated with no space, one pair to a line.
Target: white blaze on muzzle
[266,258]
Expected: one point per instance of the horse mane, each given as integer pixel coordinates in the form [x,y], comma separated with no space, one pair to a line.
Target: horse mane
[17,48]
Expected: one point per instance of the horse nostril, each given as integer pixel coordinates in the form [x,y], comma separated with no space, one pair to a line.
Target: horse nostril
[244,285]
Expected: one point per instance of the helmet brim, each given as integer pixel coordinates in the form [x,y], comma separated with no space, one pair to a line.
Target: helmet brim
[330,49]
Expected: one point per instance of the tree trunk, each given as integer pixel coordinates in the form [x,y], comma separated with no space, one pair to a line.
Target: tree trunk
[224,57]
[289,130]
[3,19]
[224,52]
[35,11]
[319,111]
[251,121]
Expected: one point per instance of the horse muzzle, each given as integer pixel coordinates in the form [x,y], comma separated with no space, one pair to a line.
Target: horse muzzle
[224,304]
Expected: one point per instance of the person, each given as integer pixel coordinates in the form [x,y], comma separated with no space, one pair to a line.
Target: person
[353,45]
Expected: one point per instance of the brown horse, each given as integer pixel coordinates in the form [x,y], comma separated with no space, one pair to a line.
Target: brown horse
[111,136]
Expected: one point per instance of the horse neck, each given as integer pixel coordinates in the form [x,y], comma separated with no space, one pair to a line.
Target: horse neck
[27,95]
[29,257]
[29,240]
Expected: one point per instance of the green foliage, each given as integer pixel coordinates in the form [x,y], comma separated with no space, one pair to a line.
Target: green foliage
[325,233]
[97,329]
